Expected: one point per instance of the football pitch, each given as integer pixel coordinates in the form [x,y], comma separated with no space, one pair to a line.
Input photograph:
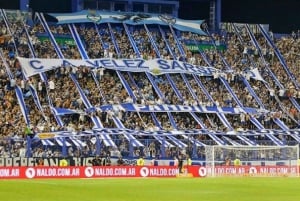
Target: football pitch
[146,189]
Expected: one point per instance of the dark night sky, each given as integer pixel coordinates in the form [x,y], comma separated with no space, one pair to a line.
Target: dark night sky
[282,15]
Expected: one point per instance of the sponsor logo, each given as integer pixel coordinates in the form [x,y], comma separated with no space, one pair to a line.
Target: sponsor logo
[202,171]
[89,171]
[30,173]
[252,170]
[144,172]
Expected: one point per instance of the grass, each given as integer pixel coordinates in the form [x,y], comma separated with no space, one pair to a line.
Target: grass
[145,189]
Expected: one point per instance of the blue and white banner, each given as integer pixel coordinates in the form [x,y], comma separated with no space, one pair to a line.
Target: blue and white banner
[65,111]
[162,108]
[99,17]
[77,143]
[155,66]
[178,108]
[62,142]
[47,142]
[117,131]
[62,136]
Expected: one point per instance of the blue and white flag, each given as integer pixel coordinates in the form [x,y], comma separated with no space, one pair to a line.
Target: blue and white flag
[130,107]
[131,18]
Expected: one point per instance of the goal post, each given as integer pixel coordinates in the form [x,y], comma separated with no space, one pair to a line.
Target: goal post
[252,160]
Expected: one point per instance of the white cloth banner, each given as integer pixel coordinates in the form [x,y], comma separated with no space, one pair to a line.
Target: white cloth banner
[155,66]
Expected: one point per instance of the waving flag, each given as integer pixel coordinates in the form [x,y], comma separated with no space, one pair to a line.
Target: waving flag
[131,18]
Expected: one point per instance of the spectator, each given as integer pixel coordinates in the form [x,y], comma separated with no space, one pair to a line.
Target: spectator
[63,162]
[140,161]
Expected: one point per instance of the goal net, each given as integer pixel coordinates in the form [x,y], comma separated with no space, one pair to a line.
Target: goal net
[252,160]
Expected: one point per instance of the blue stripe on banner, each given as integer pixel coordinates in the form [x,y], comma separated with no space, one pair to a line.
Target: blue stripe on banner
[106,139]
[114,40]
[77,39]
[43,77]
[275,140]
[279,56]
[224,120]
[61,142]
[234,143]
[97,122]
[47,143]
[192,140]
[198,120]
[255,43]
[126,85]
[98,86]
[9,73]
[252,92]
[76,142]
[84,55]
[136,49]
[256,123]
[152,41]
[237,100]
[162,141]
[57,118]
[296,104]
[130,137]
[178,143]
[133,141]
[216,139]
[22,104]
[53,41]
[246,140]
[82,95]
[268,134]
[36,98]
[281,124]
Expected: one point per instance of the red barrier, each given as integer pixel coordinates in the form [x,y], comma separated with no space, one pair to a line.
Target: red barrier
[87,172]
[199,171]
[145,171]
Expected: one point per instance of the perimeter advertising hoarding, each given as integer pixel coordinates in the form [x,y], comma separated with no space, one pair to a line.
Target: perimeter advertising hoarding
[144,171]
[87,172]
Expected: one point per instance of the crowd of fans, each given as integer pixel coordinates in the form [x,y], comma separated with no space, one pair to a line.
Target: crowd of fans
[56,88]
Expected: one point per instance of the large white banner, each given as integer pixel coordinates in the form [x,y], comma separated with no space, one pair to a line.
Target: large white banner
[155,66]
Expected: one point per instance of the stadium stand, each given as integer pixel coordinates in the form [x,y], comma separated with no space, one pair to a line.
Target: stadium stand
[253,98]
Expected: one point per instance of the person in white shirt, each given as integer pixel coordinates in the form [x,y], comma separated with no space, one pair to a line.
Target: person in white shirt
[51,85]
[175,161]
